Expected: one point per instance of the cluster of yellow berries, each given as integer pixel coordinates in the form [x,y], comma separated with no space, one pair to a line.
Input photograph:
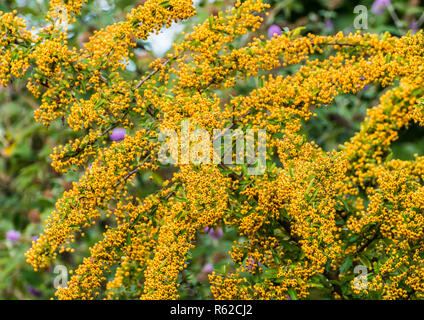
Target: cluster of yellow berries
[308,220]
[15,41]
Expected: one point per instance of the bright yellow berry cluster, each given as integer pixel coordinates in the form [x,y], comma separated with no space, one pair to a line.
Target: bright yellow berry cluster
[15,41]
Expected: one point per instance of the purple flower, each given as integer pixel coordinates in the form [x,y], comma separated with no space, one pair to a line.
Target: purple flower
[250,263]
[414,26]
[274,31]
[118,134]
[216,234]
[13,235]
[366,86]
[34,238]
[379,6]
[329,24]
[34,291]
[207,268]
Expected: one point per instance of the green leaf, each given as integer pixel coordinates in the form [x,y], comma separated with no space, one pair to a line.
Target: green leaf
[296,32]
[292,294]
[164,4]
[260,82]
[346,264]
[365,261]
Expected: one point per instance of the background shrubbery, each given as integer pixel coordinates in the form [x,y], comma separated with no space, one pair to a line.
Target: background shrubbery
[29,186]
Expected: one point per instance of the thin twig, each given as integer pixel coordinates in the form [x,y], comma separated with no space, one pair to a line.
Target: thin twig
[151,74]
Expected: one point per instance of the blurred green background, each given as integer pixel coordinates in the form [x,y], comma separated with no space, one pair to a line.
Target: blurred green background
[29,187]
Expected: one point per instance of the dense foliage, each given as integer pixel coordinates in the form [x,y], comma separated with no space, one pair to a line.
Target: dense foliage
[298,230]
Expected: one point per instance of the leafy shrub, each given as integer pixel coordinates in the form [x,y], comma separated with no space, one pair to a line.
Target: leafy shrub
[302,227]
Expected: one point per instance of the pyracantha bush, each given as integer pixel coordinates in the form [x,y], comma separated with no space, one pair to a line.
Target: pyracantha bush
[304,224]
